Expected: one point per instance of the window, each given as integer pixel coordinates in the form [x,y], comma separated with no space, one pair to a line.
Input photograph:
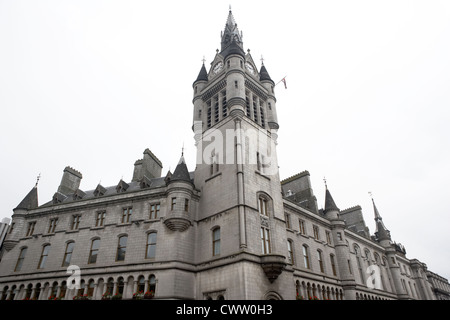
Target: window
[151,245]
[349,267]
[19,263]
[263,206]
[261,112]
[301,227]
[173,203]
[154,210]
[152,284]
[100,218]
[94,251]
[141,284]
[68,254]
[44,255]
[216,241]
[247,104]
[333,265]
[126,214]
[320,260]
[316,232]
[121,248]
[328,235]
[287,217]
[255,110]
[209,115]
[75,222]
[186,205]
[224,104]
[30,229]
[290,251]
[339,235]
[265,240]
[216,109]
[305,256]
[52,225]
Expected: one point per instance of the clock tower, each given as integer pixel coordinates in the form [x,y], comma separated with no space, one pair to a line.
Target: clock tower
[235,129]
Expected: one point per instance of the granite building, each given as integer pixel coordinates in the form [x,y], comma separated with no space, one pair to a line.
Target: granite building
[229,229]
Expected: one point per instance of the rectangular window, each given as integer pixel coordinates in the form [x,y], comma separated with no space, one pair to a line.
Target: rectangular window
[349,267]
[121,248]
[52,225]
[333,266]
[44,256]
[263,207]
[287,217]
[290,252]
[305,257]
[151,245]
[19,263]
[30,229]
[68,254]
[100,218]
[328,237]
[154,210]
[339,235]
[319,259]
[186,205]
[265,240]
[94,251]
[216,242]
[316,232]
[75,222]
[301,227]
[126,214]
[173,203]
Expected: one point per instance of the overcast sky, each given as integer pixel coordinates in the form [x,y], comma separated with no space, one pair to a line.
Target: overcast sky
[92,84]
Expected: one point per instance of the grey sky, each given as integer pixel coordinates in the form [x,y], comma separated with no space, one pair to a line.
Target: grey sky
[91,84]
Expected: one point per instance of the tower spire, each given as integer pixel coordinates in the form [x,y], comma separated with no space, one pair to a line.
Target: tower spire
[381,232]
[231,35]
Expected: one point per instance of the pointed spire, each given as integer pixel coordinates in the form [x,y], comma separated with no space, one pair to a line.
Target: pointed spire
[264,75]
[30,201]
[181,172]
[203,74]
[381,232]
[231,38]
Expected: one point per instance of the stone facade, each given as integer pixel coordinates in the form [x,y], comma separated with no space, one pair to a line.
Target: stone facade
[230,229]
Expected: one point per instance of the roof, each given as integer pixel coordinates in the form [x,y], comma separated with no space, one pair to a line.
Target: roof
[181,172]
[264,75]
[329,202]
[30,201]
[202,75]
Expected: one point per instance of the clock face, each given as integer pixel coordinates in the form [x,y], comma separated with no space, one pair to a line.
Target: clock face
[250,68]
[218,67]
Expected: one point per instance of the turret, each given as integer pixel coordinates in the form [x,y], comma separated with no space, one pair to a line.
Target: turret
[179,194]
[30,202]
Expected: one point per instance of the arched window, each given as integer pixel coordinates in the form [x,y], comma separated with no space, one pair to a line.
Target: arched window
[91,286]
[263,206]
[290,246]
[151,245]
[121,248]
[109,287]
[68,254]
[120,286]
[333,265]
[320,260]
[216,241]
[94,251]
[305,256]
[152,283]
[19,263]
[44,256]
[141,284]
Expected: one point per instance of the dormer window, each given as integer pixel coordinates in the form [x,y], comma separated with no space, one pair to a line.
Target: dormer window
[99,191]
[122,186]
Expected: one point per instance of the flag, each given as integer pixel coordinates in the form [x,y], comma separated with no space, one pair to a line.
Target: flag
[284,81]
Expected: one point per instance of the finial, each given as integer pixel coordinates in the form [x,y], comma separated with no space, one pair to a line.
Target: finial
[182,150]
[370,194]
[325,181]
[229,7]
[203,59]
[37,180]
[262,60]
